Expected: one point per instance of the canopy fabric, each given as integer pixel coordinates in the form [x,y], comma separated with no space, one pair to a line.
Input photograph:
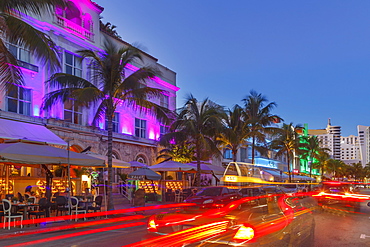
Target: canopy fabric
[27,153]
[144,173]
[171,165]
[299,177]
[278,174]
[136,163]
[208,168]
[116,163]
[25,131]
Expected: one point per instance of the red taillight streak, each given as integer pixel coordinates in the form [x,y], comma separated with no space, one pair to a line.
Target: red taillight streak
[72,226]
[104,213]
[180,237]
[78,234]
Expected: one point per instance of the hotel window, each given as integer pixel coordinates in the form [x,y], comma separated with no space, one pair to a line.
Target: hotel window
[72,64]
[20,53]
[164,101]
[140,128]
[163,130]
[115,122]
[19,101]
[228,154]
[72,112]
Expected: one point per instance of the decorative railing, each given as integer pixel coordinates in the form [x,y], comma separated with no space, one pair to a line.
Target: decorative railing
[75,28]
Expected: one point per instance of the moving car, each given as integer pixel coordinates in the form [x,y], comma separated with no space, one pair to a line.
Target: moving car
[284,220]
[339,195]
[213,197]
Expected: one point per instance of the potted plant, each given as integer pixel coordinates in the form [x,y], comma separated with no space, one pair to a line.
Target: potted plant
[15,199]
[30,201]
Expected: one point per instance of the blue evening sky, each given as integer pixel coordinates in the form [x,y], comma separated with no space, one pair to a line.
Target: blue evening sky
[310,57]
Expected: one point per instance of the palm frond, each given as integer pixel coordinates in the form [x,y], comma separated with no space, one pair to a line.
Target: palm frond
[30,6]
[10,74]
[37,42]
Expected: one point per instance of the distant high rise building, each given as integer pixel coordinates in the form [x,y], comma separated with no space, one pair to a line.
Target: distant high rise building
[364,142]
[329,138]
[350,149]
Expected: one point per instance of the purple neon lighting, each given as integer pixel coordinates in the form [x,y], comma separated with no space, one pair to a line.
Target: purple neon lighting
[156,79]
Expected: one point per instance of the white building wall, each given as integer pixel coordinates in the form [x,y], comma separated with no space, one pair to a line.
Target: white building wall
[350,150]
[364,142]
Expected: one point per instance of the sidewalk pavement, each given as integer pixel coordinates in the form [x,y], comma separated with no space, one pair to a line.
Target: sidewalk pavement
[118,205]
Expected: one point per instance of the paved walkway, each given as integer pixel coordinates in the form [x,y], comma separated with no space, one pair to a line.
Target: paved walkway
[120,204]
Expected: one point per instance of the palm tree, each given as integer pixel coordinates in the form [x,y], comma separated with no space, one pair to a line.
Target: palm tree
[259,118]
[199,123]
[357,171]
[183,153]
[333,166]
[321,162]
[235,131]
[109,87]
[313,148]
[287,142]
[17,31]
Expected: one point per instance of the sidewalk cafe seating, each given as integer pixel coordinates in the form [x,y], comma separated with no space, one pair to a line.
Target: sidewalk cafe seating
[96,206]
[43,207]
[75,209]
[2,214]
[178,196]
[61,204]
[8,215]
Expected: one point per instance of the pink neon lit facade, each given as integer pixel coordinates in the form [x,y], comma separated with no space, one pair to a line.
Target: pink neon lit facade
[78,28]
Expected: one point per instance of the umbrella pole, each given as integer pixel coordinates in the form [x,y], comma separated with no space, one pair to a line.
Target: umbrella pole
[69,171]
[105,195]
[6,180]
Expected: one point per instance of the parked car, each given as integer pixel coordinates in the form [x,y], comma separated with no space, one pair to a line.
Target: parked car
[284,220]
[213,197]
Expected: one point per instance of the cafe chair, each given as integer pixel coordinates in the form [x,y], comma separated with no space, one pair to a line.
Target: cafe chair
[2,214]
[43,207]
[75,209]
[8,215]
[96,206]
[61,205]
[178,196]
[20,197]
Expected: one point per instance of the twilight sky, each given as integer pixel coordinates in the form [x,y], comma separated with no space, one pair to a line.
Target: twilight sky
[310,57]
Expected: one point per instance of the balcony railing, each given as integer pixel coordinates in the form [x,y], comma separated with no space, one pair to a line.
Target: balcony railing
[75,28]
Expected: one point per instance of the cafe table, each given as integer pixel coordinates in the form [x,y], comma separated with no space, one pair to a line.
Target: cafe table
[25,207]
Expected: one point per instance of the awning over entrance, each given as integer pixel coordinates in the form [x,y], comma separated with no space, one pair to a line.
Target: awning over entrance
[299,177]
[10,129]
[277,174]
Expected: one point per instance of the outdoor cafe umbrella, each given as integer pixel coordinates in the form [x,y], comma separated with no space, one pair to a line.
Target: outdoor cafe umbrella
[144,173]
[36,154]
[171,165]
[209,168]
[136,163]
[116,163]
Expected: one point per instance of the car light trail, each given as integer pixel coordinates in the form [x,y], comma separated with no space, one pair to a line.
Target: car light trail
[97,214]
[74,226]
[71,235]
[186,236]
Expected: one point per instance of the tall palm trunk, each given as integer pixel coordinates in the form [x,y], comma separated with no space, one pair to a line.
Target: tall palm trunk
[198,163]
[110,205]
[234,152]
[253,144]
[311,166]
[288,160]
